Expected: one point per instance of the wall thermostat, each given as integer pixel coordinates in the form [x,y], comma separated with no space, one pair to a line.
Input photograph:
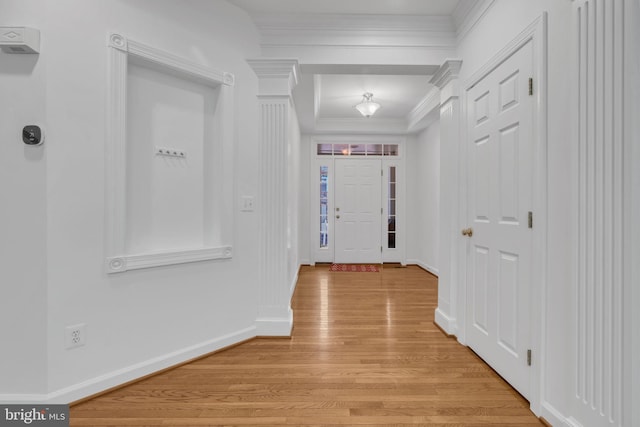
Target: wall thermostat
[32,135]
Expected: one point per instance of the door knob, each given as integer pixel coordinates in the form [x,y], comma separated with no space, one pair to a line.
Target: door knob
[467,232]
[338,216]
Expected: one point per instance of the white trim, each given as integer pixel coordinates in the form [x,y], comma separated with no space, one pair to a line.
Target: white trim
[572,422]
[425,112]
[536,33]
[294,281]
[553,416]
[121,376]
[431,269]
[135,262]
[121,51]
[445,322]
[275,326]
[339,30]
[468,14]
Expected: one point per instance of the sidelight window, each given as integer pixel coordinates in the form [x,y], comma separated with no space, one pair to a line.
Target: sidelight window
[324,206]
[391,208]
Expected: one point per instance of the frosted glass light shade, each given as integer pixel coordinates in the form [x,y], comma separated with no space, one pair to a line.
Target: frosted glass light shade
[367,107]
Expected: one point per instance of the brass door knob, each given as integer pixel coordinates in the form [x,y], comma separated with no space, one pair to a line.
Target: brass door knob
[467,232]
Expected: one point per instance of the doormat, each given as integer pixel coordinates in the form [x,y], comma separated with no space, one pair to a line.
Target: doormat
[356,268]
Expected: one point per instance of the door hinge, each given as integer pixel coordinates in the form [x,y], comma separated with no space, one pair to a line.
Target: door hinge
[530,86]
[381,172]
[530,220]
[380,249]
[528,357]
[380,211]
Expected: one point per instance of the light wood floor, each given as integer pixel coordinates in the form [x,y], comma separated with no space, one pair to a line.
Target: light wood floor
[364,352]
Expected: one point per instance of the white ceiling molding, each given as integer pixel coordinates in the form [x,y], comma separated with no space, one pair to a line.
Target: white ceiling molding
[362,125]
[273,72]
[449,70]
[467,14]
[317,95]
[426,112]
[370,69]
[356,30]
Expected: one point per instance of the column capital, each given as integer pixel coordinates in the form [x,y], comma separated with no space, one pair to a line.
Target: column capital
[447,72]
[277,77]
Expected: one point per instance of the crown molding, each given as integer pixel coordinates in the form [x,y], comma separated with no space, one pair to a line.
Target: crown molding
[277,76]
[353,22]
[355,30]
[428,104]
[467,14]
[448,71]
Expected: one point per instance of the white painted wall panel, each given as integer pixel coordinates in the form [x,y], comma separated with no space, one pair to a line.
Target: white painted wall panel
[138,321]
[599,213]
[423,198]
[23,214]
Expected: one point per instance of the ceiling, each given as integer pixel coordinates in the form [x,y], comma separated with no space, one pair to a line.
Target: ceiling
[326,95]
[398,95]
[377,7]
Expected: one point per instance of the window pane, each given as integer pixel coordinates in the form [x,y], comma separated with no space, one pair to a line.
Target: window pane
[391,209]
[358,150]
[341,150]
[325,149]
[324,206]
[392,241]
[391,150]
[374,150]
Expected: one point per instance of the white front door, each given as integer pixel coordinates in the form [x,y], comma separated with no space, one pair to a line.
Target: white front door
[358,216]
[500,155]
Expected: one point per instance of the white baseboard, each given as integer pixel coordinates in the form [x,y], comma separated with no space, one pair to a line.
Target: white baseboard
[275,326]
[431,269]
[554,417]
[133,372]
[294,282]
[11,399]
[445,322]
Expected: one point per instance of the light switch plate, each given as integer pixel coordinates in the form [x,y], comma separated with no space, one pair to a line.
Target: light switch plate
[247,204]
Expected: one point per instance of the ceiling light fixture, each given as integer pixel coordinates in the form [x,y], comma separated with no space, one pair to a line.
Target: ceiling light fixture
[368,106]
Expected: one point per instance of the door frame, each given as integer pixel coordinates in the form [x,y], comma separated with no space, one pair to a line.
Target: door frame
[324,255]
[536,33]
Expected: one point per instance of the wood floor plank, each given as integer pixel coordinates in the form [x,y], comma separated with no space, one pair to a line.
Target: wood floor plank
[364,352]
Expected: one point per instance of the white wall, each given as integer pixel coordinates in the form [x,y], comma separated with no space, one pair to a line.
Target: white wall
[293,240]
[23,213]
[504,21]
[304,192]
[423,198]
[138,321]
[632,106]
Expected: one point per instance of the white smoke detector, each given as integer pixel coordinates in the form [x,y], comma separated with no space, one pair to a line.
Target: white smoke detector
[19,40]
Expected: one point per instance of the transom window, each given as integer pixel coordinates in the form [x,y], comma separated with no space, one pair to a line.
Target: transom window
[357,149]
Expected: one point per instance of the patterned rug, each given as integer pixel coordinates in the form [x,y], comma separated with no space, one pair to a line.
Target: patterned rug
[357,268]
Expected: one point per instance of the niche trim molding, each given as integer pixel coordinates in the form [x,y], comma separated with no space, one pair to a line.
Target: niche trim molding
[121,52]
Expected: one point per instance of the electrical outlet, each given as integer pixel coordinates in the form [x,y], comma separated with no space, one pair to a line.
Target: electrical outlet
[75,335]
[247,204]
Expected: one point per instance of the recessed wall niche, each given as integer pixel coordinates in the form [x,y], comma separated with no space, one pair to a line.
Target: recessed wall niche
[169,159]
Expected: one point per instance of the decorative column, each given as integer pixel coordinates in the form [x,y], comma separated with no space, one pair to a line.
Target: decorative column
[601,346]
[277,78]
[446,79]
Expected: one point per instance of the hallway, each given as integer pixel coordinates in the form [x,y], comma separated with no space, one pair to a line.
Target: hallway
[364,352]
